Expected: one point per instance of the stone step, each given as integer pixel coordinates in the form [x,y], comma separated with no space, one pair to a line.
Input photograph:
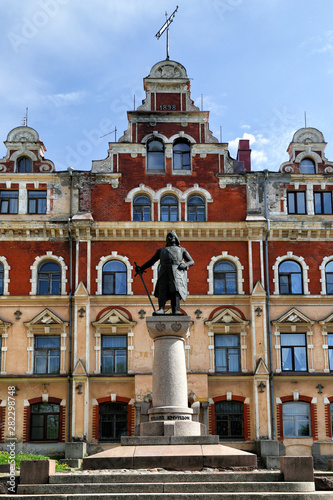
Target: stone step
[201,487]
[313,495]
[166,477]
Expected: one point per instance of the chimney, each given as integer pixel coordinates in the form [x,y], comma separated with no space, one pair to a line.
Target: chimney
[244,153]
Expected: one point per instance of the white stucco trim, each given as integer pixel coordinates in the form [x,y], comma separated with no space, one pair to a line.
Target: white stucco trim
[301,261]
[99,268]
[322,269]
[34,271]
[6,269]
[168,190]
[239,269]
[144,190]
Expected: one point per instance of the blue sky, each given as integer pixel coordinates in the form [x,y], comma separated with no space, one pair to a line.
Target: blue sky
[77,64]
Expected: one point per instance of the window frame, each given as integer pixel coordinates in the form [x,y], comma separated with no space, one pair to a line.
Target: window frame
[305,166]
[330,351]
[224,277]
[141,207]
[292,348]
[196,206]
[123,423]
[33,196]
[41,352]
[45,414]
[114,274]
[179,156]
[169,205]
[50,275]
[240,414]
[158,155]
[23,160]
[322,195]
[106,351]
[290,274]
[227,348]
[295,195]
[296,435]
[2,278]
[4,198]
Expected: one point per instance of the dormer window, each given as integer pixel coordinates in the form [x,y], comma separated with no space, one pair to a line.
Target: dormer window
[181,155]
[307,166]
[23,164]
[155,155]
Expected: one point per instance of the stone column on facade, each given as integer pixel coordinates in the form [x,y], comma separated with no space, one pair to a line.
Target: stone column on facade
[170,414]
[205,405]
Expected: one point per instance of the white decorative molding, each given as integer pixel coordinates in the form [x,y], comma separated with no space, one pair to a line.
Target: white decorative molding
[6,269]
[322,269]
[154,135]
[239,272]
[299,260]
[34,271]
[144,190]
[104,260]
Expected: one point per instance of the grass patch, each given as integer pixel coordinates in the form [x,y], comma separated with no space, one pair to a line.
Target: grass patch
[5,456]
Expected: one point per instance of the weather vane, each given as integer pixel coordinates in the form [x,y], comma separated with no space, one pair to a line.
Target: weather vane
[166,27]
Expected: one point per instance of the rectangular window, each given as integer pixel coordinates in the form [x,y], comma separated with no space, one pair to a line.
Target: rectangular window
[9,202]
[296,419]
[47,354]
[293,352]
[227,353]
[114,354]
[323,202]
[37,202]
[330,350]
[296,202]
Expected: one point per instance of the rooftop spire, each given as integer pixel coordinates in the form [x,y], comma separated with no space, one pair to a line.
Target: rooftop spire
[165,26]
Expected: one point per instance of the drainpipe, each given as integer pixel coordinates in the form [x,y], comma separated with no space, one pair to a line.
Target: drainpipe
[268,310]
[70,238]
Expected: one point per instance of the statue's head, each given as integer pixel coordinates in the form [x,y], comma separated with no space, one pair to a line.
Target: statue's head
[172,239]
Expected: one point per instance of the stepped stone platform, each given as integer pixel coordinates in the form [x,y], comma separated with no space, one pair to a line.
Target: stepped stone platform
[157,485]
[171,456]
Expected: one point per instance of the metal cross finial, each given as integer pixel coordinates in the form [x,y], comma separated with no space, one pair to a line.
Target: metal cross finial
[319,387]
[261,386]
[165,26]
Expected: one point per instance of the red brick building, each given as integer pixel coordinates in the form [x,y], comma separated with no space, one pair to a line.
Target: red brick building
[73,338]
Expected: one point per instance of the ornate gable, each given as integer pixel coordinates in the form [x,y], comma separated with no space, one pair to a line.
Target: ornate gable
[227,321]
[293,321]
[113,321]
[46,322]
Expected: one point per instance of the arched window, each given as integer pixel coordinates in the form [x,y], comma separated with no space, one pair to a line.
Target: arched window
[114,278]
[225,278]
[1,278]
[296,419]
[329,277]
[307,166]
[113,421]
[229,419]
[290,278]
[142,208]
[196,209]
[44,423]
[181,155]
[169,208]
[23,164]
[49,278]
[155,155]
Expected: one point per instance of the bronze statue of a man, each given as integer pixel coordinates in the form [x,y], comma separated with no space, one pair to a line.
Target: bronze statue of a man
[172,276]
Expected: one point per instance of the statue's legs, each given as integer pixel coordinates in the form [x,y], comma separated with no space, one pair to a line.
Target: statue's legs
[175,302]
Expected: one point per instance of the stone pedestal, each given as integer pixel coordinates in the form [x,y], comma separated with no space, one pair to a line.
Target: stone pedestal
[170,414]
